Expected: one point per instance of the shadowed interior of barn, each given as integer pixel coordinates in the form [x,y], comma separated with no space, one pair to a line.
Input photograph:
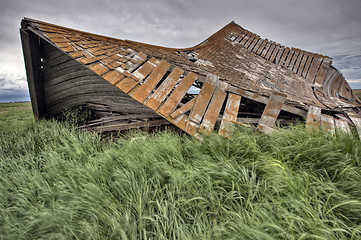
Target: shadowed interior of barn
[233,77]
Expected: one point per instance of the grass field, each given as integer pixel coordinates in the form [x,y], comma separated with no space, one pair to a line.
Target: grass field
[15,115]
[59,183]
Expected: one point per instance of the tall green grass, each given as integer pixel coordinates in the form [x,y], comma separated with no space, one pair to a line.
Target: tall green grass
[59,183]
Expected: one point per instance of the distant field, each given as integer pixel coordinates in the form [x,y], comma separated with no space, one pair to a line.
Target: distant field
[357,92]
[57,182]
[15,115]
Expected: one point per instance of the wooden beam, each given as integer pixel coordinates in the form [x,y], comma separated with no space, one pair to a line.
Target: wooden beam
[213,111]
[178,93]
[328,123]
[313,119]
[271,112]
[164,89]
[230,115]
[127,126]
[203,99]
[356,119]
[342,126]
[32,57]
[185,108]
[258,98]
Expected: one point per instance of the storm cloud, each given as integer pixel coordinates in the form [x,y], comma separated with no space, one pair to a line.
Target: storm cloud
[328,27]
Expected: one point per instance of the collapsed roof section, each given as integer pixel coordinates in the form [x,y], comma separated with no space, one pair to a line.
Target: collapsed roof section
[238,75]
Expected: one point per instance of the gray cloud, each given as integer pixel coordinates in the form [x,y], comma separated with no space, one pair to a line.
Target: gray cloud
[329,27]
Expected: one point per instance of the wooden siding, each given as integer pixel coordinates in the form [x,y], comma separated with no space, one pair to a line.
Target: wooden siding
[67,82]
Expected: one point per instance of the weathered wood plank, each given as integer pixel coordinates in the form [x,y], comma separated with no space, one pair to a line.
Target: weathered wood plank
[98,68]
[138,60]
[180,121]
[262,99]
[127,126]
[271,111]
[116,118]
[287,61]
[55,61]
[213,110]
[203,99]
[313,119]
[242,35]
[257,46]
[357,121]
[51,69]
[177,95]
[271,53]
[327,123]
[129,83]
[142,93]
[276,57]
[254,42]
[185,108]
[256,120]
[246,38]
[293,60]
[261,47]
[70,87]
[230,115]
[53,53]
[342,126]
[250,40]
[322,72]
[307,64]
[115,103]
[76,54]
[314,68]
[282,60]
[298,61]
[34,75]
[303,63]
[113,77]
[54,82]
[164,89]
[266,49]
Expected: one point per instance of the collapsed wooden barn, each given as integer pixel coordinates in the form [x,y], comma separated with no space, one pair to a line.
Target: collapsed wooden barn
[232,77]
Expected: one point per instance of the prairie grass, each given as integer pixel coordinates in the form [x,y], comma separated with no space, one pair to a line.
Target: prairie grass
[59,183]
[14,116]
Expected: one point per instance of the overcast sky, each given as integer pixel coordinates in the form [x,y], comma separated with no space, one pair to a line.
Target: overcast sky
[328,27]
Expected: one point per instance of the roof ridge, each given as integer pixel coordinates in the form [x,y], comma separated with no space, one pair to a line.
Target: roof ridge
[26,20]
